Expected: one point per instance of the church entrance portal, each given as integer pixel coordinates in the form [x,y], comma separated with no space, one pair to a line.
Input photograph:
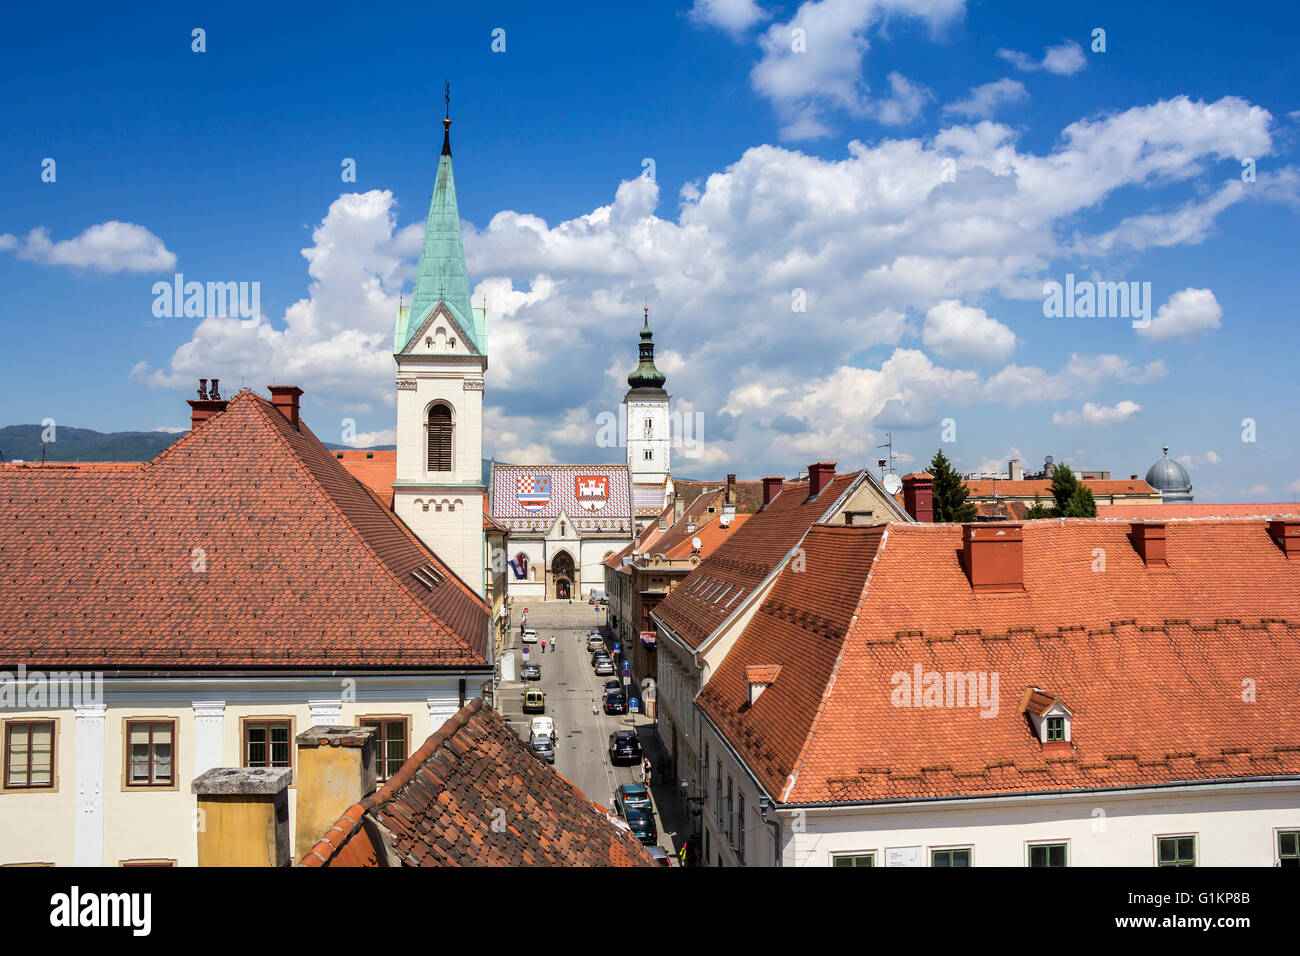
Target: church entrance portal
[562,572]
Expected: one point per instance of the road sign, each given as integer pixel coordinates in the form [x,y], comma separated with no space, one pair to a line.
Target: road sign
[618,648]
[626,680]
[632,705]
[627,666]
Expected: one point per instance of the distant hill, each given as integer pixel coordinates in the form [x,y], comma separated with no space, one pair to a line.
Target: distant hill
[23,443]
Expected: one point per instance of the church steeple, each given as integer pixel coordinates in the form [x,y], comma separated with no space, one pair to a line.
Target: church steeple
[442,276]
[646,375]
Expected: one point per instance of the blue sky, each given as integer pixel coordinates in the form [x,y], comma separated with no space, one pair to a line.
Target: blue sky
[774,170]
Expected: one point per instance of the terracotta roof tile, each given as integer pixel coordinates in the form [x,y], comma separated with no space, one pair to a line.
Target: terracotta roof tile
[473,795]
[749,554]
[245,543]
[1150,661]
[1165,512]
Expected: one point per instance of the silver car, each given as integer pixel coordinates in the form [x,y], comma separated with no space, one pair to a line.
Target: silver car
[543,747]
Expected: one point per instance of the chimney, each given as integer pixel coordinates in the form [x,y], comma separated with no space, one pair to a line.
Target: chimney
[819,476]
[1148,539]
[1014,470]
[771,488]
[206,405]
[731,491]
[918,496]
[993,557]
[285,399]
[336,768]
[243,816]
[1286,533]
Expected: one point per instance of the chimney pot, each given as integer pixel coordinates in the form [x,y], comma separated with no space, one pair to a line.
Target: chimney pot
[819,476]
[1015,471]
[285,399]
[203,388]
[731,490]
[1148,539]
[206,405]
[771,488]
[918,497]
[246,816]
[212,392]
[993,556]
[336,768]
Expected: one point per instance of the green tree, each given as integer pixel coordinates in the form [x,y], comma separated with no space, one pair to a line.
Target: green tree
[1081,503]
[1063,485]
[949,492]
[1039,510]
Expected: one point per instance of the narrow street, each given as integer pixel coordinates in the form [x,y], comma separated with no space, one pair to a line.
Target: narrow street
[572,692]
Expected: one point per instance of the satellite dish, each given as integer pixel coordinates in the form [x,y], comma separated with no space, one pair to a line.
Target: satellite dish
[893,484]
[696,543]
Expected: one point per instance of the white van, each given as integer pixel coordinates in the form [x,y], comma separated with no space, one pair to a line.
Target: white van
[542,727]
[530,636]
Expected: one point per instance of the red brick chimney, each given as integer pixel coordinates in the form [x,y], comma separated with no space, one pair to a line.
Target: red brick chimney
[285,399]
[1286,532]
[819,476]
[993,557]
[1149,541]
[771,488]
[730,498]
[208,403]
[918,496]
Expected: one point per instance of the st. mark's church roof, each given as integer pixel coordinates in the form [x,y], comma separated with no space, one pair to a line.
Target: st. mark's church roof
[596,498]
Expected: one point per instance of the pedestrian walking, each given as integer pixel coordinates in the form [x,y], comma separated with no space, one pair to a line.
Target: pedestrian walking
[645,771]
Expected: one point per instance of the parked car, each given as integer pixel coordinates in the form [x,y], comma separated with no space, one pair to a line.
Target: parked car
[534,702]
[659,855]
[624,745]
[530,636]
[595,642]
[615,702]
[544,747]
[613,684]
[632,796]
[598,656]
[604,666]
[532,671]
[643,826]
[543,726]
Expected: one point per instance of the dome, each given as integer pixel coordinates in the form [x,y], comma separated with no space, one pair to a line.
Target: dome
[1170,479]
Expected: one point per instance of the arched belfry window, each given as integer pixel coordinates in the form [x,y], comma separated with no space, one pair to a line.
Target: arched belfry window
[440,429]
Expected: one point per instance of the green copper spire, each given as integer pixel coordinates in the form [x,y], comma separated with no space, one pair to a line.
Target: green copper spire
[442,276]
[646,375]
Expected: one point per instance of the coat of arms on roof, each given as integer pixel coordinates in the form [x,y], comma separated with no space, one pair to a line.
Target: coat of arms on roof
[592,491]
[534,491]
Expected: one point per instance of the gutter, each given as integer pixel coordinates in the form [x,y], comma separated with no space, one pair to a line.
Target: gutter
[1026,795]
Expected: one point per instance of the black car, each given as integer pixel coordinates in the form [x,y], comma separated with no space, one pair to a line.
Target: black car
[624,745]
[532,671]
[643,826]
[615,702]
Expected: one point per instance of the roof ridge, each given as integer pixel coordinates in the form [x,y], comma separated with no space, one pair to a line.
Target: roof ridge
[267,409]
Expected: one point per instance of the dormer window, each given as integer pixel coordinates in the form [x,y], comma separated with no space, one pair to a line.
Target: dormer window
[1049,718]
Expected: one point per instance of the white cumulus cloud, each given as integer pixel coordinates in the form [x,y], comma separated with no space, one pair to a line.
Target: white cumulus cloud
[1187,315]
[107,247]
[734,16]
[1064,59]
[953,330]
[983,100]
[1093,415]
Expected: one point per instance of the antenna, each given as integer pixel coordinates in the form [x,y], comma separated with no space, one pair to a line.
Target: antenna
[889,443]
[446,95]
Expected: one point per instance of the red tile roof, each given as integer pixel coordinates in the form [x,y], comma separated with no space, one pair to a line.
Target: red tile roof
[749,494]
[750,553]
[1028,487]
[799,630]
[443,806]
[679,543]
[377,470]
[303,567]
[1166,512]
[1151,661]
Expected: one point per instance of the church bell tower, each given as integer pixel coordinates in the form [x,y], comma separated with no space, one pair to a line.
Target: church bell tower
[440,346]
[646,405]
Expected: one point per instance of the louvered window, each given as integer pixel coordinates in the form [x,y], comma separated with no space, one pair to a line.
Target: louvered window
[440,438]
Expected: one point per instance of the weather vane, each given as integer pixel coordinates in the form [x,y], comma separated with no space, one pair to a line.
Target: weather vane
[446,95]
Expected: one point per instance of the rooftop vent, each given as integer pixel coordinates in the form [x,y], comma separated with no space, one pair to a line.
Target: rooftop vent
[428,575]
